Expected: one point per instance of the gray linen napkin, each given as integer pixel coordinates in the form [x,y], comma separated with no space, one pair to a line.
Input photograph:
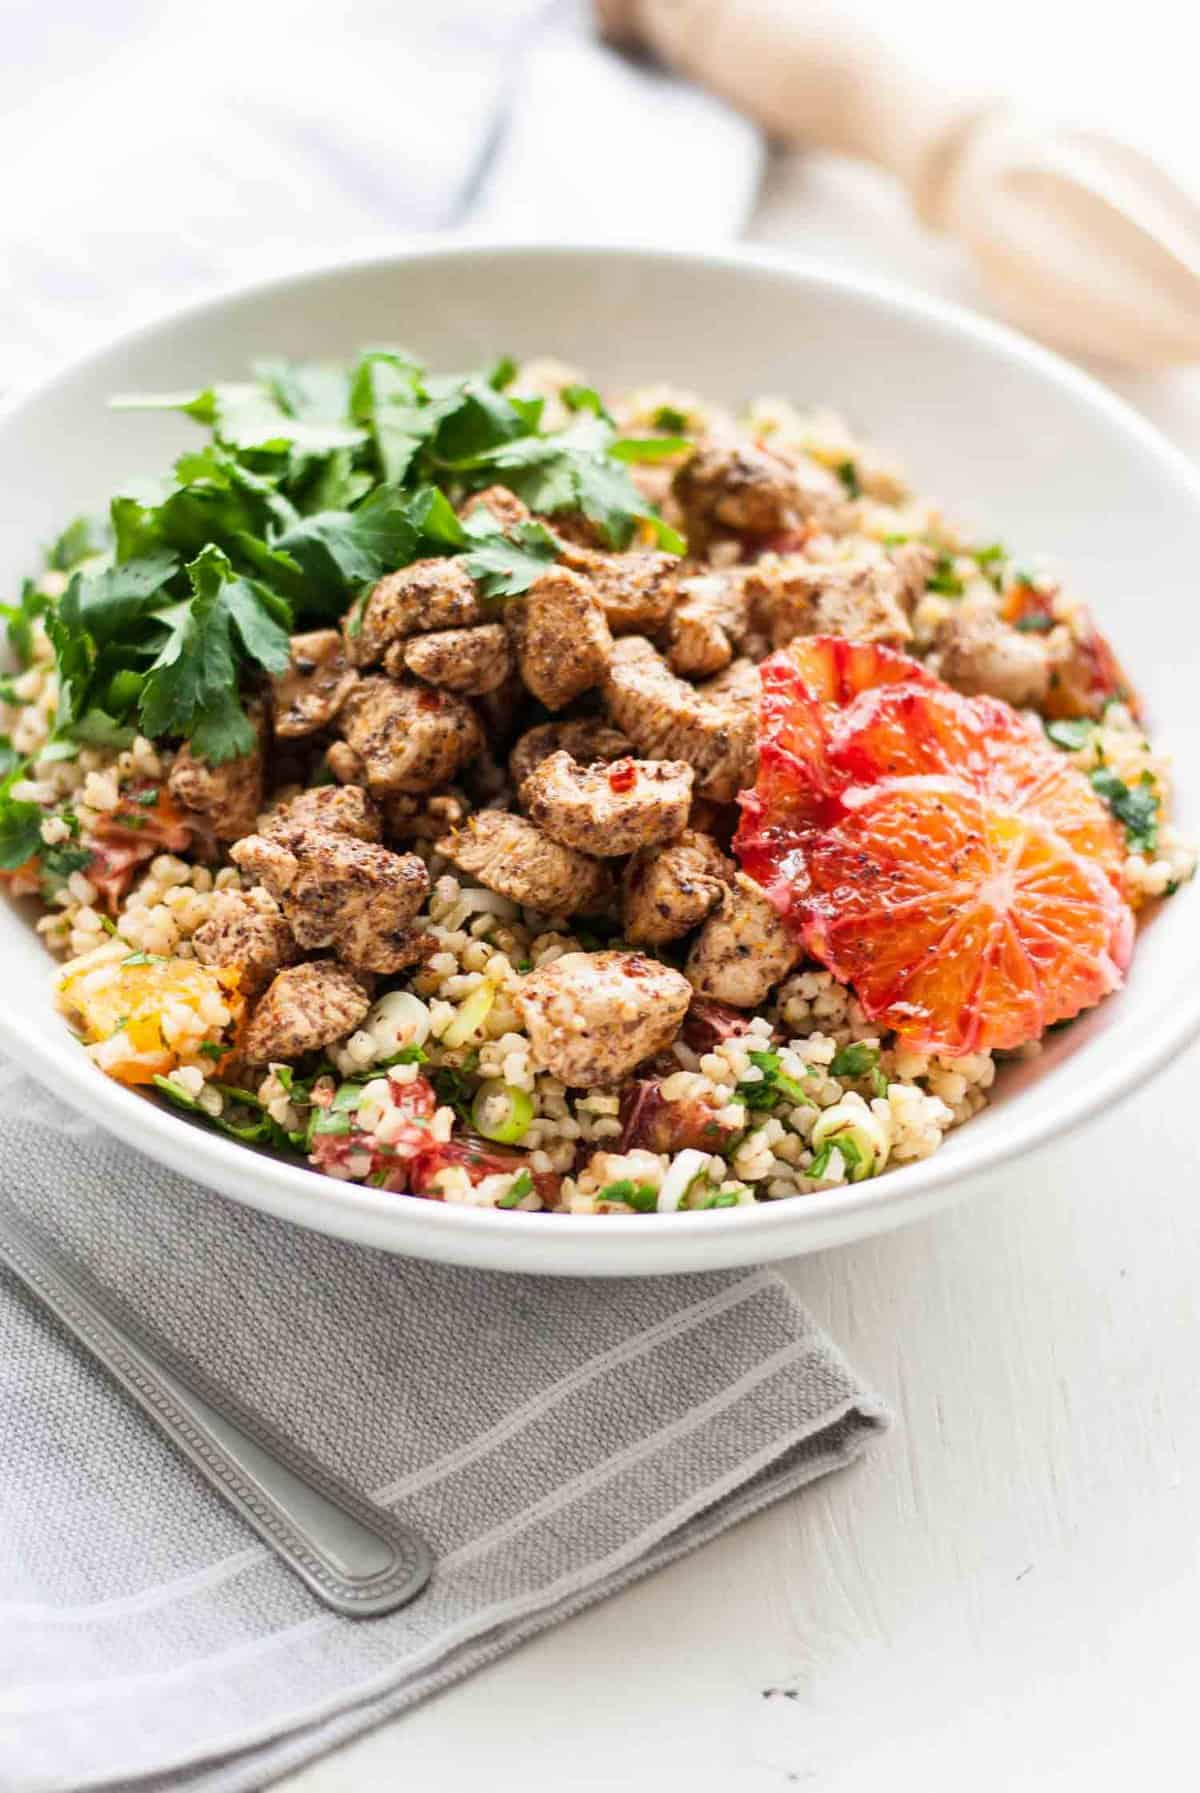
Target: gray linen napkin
[551,1439]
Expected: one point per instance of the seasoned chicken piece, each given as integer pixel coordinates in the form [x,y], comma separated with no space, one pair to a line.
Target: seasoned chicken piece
[593,1017]
[346,765]
[915,563]
[586,739]
[864,604]
[306,1007]
[428,595]
[609,809]
[512,856]
[560,637]
[339,809]
[666,718]
[667,891]
[743,949]
[789,595]
[707,624]
[308,694]
[732,484]
[636,590]
[350,895]
[409,737]
[472,661]
[979,654]
[246,932]
[228,796]
[507,509]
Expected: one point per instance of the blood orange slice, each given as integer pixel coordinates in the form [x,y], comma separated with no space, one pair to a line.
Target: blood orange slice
[933,851]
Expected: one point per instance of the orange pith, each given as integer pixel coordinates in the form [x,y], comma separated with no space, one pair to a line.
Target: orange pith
[932,851]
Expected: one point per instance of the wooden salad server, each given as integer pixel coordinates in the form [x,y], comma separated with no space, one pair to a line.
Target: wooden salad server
[1077,237]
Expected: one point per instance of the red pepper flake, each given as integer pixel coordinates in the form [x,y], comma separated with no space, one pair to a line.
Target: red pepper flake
[622,775]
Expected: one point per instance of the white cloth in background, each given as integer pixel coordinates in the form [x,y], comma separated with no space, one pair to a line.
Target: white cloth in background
[196,147]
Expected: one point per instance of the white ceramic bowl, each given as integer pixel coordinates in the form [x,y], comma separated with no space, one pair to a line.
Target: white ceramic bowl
[1017,444]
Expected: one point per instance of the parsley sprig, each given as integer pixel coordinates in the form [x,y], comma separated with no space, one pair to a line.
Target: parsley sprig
[314,482]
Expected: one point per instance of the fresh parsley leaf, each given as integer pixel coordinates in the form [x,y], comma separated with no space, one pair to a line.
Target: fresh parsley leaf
[505,564]
[80,540]
[106,603]
[847,472]
[20,618]
[648,448]
[1071,733]
[96,728]
[855,1060]
[191,688]
[944,578]
[520,1187]
[641,1196]
[1136,807]
[20,833]
[10,761]
[669,417]
[385,395]
[337,551]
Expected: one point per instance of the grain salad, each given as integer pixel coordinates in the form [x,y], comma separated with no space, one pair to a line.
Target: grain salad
[493,791]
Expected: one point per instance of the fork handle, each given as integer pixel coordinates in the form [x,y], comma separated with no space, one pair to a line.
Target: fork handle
[354,1558]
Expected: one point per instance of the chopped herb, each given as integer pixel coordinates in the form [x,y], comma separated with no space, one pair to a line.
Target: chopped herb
[944,578]
[454,1090]
[820,1163]
[847,472]
[724,1198]
[286,1078]
[641,1196]
[142,958]
[110,927]
[896,540]
[847,1145]
[1072,733]
[774,1086]
[989,556]
[211,1049]
[668,417]
[407,1055]
[879,1083]
[346,1099]
[20,832]
[518,1189]
[1136,807]
[584,398]
[1034,622]
[855,1060]
[524,965]
[328,1120]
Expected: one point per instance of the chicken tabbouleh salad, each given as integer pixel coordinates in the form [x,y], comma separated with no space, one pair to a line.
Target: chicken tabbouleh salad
[491,791]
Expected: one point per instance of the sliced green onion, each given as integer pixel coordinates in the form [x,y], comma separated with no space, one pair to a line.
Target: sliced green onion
[501,1112]
[472,1013]
[517,1190]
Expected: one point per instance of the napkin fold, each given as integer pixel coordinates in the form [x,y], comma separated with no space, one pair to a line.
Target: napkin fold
[552,1439]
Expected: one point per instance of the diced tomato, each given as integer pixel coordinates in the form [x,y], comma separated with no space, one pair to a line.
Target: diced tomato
[622,775]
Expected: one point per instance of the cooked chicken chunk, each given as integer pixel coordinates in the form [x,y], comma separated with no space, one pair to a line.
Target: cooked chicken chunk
[409,737]
[734,485]
[915,563]
[560,637]
[339,809]
[512,856]
[789,595]
[743,949]
[471,661]
[586,739]
[506,508]
[636,590]
[593,1017]
[428,595]
[228,796]
[307,695]
[306,1007]
[666,891]
[666,718]
[350,895]
[246,932]
[707,624]
[979,654]
[609,809]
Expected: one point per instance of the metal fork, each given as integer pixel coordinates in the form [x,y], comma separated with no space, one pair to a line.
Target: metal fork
[356,1559]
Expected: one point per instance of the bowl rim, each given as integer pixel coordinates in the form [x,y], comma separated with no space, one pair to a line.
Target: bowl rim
[303,1195]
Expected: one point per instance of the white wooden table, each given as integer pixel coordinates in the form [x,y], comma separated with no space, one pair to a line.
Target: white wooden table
[1005,1594]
